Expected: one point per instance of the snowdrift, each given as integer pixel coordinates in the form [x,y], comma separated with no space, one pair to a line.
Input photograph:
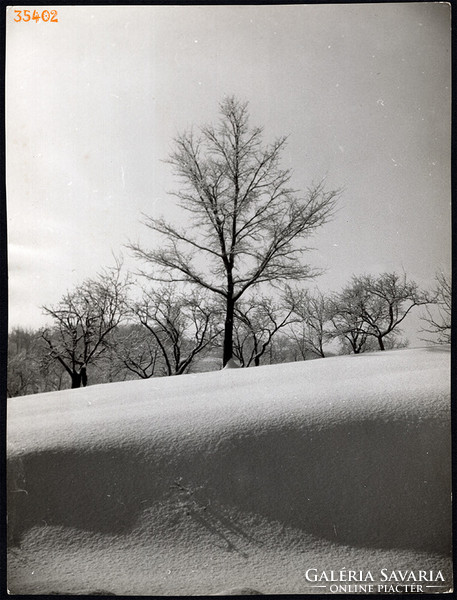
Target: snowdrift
[230,466]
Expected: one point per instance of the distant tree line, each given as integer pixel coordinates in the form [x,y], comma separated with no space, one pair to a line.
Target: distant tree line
[107,330]
[231,286]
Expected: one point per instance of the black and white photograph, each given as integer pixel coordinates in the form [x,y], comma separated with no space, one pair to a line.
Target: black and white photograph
[229,299]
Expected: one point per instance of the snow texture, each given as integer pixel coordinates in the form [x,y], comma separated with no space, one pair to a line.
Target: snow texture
[231,480]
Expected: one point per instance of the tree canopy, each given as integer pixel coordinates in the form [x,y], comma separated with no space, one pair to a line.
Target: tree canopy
[246,223]
[374,307]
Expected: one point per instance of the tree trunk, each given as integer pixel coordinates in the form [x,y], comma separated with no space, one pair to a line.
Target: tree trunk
[75,380]
[257,354]
[228,331]
[83,375]
[381,343]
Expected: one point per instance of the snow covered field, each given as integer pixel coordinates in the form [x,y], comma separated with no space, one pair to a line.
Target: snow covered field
[243,478]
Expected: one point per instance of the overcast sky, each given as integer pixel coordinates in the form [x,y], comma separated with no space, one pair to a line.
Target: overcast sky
[94,101]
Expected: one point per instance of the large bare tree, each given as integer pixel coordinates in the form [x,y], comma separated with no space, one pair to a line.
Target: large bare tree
[247,224]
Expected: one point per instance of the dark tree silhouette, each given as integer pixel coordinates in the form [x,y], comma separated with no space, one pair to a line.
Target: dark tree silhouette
[257,321]
[347,323]
[247,223]
[83,322]
[375,307]
[182,326]
[138,351]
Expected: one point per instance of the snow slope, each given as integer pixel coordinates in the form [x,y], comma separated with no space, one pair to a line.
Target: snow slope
[239,478]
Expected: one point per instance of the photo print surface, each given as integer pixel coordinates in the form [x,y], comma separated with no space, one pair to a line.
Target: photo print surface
[229,246]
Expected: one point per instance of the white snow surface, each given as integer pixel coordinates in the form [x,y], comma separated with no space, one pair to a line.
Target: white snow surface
[240,478]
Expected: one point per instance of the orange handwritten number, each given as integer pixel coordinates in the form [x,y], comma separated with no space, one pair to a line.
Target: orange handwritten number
[26,14]
[54,18]
[19,15]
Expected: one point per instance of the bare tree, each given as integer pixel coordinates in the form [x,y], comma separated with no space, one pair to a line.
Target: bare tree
[374,307]
[247,220]
[181,325]
[310,329]
[257,321]
[138,351]
[439,321]
[84,320]
[347,323]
